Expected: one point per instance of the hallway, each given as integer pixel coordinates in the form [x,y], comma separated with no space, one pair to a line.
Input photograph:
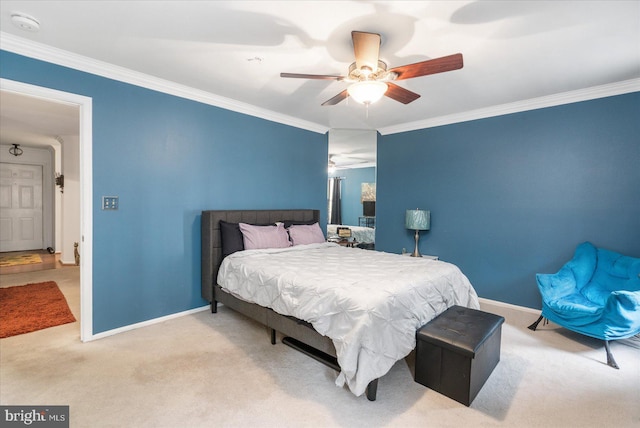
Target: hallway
[49,261]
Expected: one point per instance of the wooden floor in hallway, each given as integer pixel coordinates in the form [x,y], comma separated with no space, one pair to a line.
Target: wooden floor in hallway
[49,261]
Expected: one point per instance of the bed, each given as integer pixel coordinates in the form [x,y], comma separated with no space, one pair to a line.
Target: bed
[351,349]
[363,235]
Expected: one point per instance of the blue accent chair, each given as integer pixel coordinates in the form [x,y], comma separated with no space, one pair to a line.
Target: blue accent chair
[596,294]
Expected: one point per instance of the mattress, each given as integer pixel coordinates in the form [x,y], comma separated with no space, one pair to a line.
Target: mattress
[365,235]
[369,303]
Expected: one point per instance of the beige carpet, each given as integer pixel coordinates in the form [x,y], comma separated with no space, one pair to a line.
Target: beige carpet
[220,370]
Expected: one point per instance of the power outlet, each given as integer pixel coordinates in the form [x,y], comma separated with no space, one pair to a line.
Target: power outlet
[109,202]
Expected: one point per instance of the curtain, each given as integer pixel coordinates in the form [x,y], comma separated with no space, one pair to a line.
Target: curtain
[335,209]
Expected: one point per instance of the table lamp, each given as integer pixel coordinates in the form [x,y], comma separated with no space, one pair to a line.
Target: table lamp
[417,220]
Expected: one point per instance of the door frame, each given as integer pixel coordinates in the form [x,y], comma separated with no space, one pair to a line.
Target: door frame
[85,107]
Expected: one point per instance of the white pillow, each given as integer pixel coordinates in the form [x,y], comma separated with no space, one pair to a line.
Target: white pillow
[301,234]
[259,237]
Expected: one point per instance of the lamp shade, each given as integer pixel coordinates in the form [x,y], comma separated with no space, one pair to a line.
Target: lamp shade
[367,91]
[418,219]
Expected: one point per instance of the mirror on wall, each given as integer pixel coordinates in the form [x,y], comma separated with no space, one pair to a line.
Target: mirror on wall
[351,189]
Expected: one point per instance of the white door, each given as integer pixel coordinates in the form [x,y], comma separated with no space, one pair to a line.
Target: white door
[20,207]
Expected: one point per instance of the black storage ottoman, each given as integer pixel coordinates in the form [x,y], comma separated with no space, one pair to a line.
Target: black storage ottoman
[457,351]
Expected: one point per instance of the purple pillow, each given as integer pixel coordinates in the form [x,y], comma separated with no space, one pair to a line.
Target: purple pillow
[259,237]
[306,234]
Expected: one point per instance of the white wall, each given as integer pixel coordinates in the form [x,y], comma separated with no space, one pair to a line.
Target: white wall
[71,229]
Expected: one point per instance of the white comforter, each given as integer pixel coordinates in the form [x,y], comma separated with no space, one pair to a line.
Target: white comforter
[369,303]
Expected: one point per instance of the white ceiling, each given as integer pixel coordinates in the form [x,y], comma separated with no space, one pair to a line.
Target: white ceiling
[32,121]
[232,52]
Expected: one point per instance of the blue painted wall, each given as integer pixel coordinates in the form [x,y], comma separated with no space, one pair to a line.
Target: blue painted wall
[352,190]
[168,159]
[511,196]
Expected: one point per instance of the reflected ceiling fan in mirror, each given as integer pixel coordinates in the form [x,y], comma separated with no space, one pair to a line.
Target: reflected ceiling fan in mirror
[369,77]
[344,159]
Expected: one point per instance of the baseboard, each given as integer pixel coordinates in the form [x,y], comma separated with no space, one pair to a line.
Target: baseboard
[510,306]
[513,314]
[146,323]
[486,304]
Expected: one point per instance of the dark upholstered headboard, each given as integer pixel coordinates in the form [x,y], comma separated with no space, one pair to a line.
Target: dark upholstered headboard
[212,244]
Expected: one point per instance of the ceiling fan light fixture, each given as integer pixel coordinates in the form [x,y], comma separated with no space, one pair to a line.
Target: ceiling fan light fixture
[370,82]
[367,91]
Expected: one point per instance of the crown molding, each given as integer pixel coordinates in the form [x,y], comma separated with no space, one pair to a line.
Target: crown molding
[64,58]
[612,89]
[39,51]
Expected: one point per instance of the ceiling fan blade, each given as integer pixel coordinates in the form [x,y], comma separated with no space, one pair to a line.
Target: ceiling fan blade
[400,94]
[431,66]
[335,100]
[312,76]
[366,47]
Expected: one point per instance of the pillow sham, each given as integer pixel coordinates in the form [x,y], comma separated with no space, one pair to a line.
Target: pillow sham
[301,234]
[231,238]
[260,237]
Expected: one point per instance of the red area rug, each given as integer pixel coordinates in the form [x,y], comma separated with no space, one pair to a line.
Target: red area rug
[31,307]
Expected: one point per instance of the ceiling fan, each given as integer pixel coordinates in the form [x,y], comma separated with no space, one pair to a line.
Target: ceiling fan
[369,77]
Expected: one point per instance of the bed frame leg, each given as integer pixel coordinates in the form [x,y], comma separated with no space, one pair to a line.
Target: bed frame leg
[535,324]
[610,360]
[214,307]
[273,335]
[372,390]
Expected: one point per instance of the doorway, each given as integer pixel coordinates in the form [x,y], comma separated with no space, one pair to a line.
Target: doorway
[84,186]
[21,200]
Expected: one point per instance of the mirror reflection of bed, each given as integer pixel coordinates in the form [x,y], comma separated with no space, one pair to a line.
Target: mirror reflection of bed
[360,236]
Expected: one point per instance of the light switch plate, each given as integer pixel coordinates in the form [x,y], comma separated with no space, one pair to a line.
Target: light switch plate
[109,202]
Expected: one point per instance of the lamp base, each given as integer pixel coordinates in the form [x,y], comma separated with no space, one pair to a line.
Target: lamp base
[416,253]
